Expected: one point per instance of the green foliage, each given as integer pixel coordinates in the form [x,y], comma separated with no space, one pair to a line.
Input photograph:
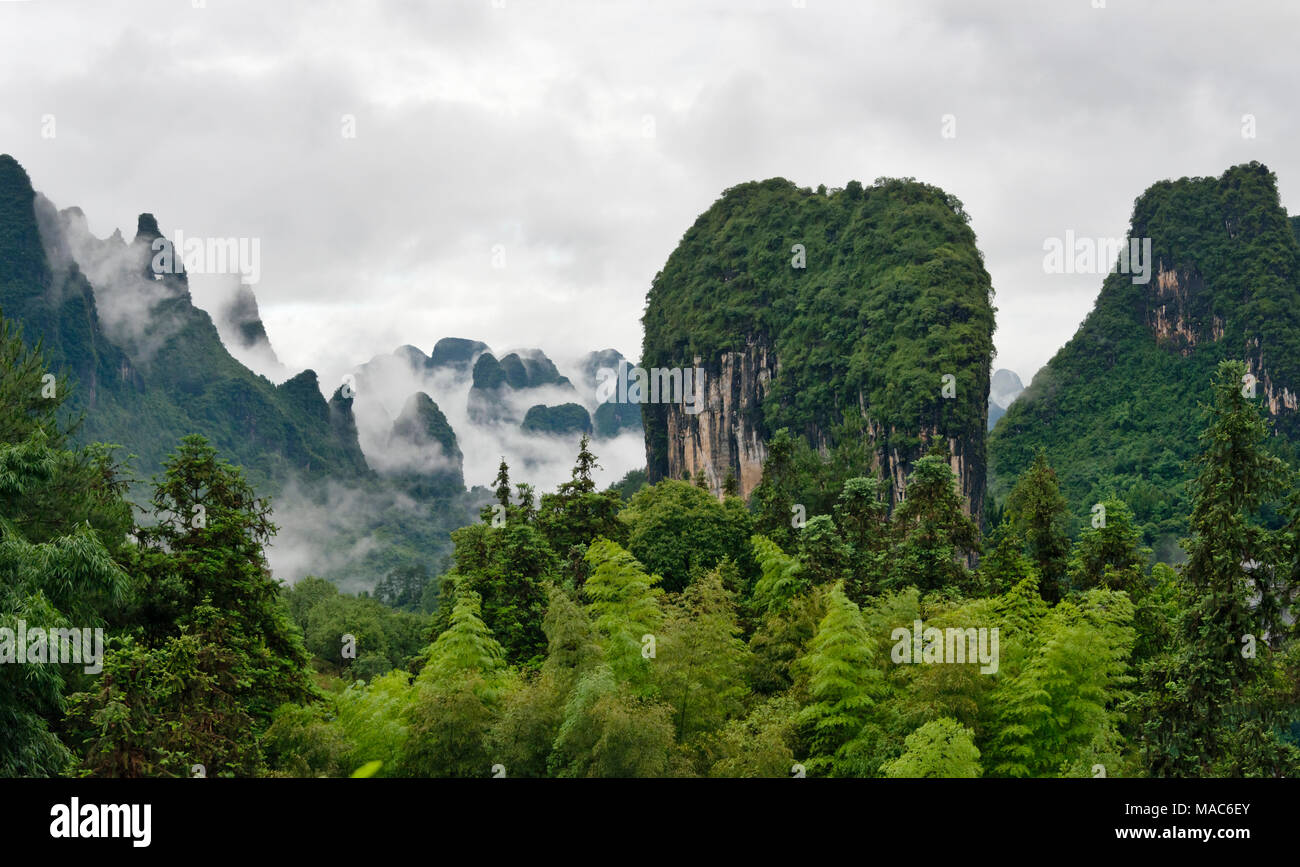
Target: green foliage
[799,481]
[1064,699]
[1110,556]
[780,639]
[1037,513]
[842,683]
[940,748]
[758,745]
[404,588]
[1006,565]
[824,556]
[159,710]
[780,577]
[507,567]
[215,652]
[385,639]
[466,646]
[371,719]
[608,731]
[679,532]
[301,742]
[1211,691]
[524,736]
[700,661]
[625,607]
[933,537]
[455,699]
[632,481]
[449,722]
[577,513]
[862,519]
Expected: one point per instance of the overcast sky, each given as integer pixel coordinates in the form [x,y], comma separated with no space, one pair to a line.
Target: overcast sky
[585,137]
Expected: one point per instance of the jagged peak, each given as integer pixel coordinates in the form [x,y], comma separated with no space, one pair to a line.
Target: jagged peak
[146,229]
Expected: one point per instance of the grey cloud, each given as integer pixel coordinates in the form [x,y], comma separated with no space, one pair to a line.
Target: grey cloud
[521,126]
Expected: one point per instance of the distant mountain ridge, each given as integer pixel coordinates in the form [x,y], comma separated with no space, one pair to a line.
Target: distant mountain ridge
[1004,387]
[147,365]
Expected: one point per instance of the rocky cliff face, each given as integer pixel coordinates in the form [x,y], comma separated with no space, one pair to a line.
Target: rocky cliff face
[966,458]
[725,436]
[1179,312]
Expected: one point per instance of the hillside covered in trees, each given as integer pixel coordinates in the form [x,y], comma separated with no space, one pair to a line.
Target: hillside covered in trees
[1111,408]
[674,633]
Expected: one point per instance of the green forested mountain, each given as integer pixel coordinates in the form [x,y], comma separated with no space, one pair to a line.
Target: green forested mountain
[804,307]
[826,627]
[146,368]
[1111,409]
[174,376]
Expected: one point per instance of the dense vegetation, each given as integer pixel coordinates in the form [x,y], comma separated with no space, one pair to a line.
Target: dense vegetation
[1137,621]
[1110,409]
[579,635]
[867,296]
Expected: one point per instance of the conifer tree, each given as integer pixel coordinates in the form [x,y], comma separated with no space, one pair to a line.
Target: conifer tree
[1110,556]
[730,487]
[211,609]
[776,494]
[502,484]
[862,518]
[577,513]
[825,557]
[1038,512]
[1215,688]
[1006,565]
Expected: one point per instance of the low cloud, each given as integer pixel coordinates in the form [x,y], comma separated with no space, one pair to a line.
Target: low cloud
[386,383]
